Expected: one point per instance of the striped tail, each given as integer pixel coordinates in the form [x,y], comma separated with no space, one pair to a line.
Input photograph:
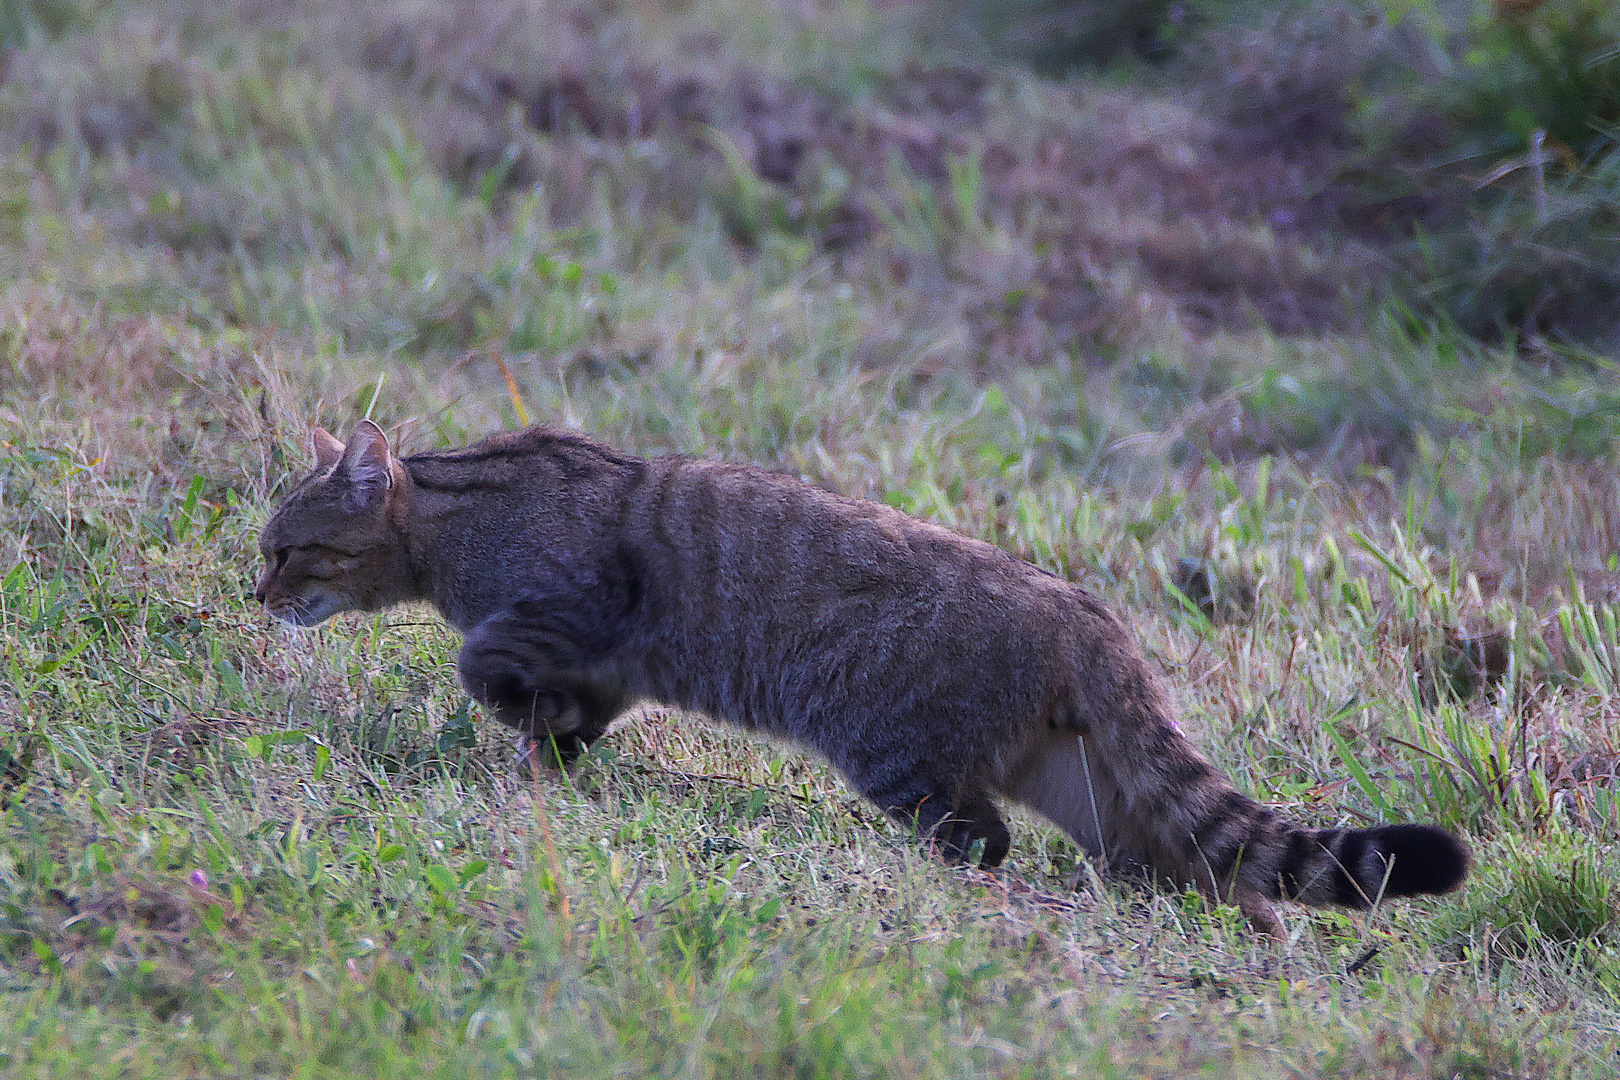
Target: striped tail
[1168,811]
[1355,867]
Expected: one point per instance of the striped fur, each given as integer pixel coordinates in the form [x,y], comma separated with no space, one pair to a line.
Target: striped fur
[938,673]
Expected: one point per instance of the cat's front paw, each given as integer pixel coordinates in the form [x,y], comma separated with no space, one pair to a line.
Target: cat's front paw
[539,712]
[550,751]
[517,698]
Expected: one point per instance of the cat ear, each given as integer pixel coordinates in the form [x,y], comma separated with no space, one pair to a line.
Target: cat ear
[367,463]
[327,449]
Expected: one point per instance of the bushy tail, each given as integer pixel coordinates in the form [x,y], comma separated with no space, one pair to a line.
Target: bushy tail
[1354,867]
[1110,766]
[1168,811]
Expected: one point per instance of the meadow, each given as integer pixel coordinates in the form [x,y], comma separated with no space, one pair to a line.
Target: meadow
[1289,330]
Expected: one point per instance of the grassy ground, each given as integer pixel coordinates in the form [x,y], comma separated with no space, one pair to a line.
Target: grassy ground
[1114,324]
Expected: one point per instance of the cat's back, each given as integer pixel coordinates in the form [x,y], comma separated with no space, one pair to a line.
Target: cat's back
[730,545]
[523,464]
[748,539]
[776,604]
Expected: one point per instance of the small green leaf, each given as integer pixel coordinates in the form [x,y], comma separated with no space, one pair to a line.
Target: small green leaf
[229,680]
[47,957]
[438,878]
[95,858]
[183,521]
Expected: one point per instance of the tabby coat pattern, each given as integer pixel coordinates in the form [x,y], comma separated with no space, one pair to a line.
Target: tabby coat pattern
[937,672]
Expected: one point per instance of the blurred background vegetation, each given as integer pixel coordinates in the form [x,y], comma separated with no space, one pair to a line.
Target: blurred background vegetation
[1298,166]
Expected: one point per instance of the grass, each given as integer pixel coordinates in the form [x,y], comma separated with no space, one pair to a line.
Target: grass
[1374,555]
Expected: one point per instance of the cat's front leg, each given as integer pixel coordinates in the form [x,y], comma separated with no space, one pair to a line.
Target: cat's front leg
[527,677]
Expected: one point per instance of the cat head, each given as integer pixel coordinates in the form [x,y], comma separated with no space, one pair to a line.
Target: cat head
[334,545]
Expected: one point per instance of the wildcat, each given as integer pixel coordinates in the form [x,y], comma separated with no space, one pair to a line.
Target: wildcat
[937,672]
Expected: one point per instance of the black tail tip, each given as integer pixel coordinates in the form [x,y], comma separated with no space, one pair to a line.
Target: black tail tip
[1426,858]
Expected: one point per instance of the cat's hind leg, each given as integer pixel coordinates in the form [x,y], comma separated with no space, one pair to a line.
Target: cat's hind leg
[1054,776]
[1061,777]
